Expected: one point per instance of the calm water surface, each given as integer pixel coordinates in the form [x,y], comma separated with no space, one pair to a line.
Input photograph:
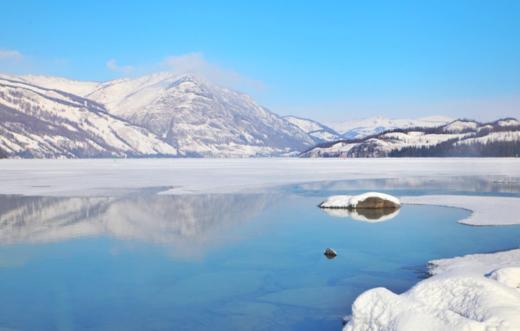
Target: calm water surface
[220,262]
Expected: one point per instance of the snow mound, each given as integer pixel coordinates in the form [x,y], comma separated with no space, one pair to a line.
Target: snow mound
[352,202]
[458,297]
[507,276]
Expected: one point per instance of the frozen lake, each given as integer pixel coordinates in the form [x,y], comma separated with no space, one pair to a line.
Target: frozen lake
[135,260]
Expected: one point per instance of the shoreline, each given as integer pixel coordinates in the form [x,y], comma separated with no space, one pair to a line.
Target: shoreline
[470,292]
[428,305]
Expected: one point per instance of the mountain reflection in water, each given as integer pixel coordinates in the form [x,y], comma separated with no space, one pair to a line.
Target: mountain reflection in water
[363,215]
[189,223]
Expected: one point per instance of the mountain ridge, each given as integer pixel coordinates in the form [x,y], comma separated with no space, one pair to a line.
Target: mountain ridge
[461,137]
[165,114]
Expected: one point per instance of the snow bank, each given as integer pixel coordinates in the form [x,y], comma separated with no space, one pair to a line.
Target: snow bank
[486,210]
[465,293]
[351,201]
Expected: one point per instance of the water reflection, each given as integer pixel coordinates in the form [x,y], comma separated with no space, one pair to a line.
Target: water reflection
[189,223]
[496,185]
[363,215]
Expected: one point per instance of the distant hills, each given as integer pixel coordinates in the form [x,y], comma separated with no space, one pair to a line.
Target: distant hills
[168,115]
[355,129]
[457,138]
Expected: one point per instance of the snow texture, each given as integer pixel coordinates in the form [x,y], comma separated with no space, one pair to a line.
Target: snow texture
[183,115]
[319,132]
[47,123]
[474,292]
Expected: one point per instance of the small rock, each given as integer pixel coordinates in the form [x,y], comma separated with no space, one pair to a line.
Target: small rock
[330,253]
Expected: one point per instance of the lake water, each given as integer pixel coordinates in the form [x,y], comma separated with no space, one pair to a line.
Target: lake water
[221,262]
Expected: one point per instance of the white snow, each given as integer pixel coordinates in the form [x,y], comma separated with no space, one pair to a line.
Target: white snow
[494,136]
[460,126]
[315,129]
[351,201]
[337,201]
[486,210]
[509,122]
[509,276]
[81,88]
[474,292]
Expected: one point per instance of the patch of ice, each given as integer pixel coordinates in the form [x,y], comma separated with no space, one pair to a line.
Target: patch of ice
[185,176]
[486,210]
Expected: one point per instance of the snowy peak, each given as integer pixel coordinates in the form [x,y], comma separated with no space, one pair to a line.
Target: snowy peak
[200,118]
[319,132]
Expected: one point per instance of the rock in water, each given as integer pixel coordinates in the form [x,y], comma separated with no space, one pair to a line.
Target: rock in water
[376,203]
[370,200]
[330,253]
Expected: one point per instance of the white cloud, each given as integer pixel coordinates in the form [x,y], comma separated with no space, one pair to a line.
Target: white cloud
[195,63]
[9,54]
[123,69]
[191,63]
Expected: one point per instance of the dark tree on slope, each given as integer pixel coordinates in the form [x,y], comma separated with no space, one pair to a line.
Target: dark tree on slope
[452,149]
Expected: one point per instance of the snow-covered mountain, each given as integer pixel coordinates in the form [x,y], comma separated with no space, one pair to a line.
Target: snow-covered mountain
[457,138]
[319,132]
[356,129]
[47,123]
[200,118]
[163,114]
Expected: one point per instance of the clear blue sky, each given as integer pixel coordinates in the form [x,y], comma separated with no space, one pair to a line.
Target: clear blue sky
[324,59]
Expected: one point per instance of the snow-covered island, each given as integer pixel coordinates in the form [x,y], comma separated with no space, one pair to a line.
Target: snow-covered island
[369,200]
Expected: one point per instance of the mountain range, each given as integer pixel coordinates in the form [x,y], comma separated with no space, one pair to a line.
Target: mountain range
[156,115]
[168,115]
[456,138]
[355,129]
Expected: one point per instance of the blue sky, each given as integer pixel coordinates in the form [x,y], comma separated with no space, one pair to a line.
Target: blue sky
[330,60]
